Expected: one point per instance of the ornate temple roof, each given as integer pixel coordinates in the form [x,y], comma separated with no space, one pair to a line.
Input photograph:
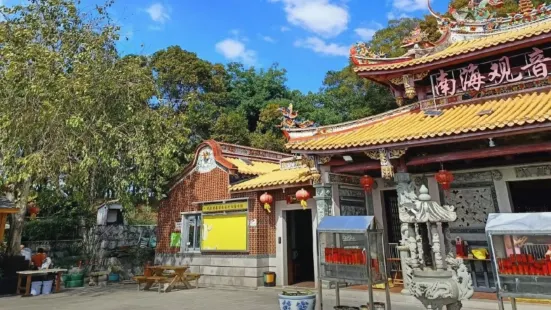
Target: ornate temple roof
[410,124]
[470,30]
[280,178]
[465,47]
[253,167]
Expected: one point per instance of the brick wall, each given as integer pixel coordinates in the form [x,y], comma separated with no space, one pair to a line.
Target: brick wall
[214,186]
[197,187]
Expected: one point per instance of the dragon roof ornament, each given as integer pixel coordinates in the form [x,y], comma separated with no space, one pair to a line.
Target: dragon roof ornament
[361,54]
[479,19]
[290,119]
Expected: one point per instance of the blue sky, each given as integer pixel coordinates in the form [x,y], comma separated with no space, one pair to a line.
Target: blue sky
[306,37]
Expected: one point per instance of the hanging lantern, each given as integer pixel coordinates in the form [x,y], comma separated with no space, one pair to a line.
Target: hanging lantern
[444,178]
[33,210]
[267,200]
[303,195]
[367,183]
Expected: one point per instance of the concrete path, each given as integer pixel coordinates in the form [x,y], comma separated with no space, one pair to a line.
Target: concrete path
[126,297]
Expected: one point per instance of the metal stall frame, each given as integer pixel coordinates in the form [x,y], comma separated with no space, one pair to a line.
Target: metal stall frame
[357,230]
[539,226]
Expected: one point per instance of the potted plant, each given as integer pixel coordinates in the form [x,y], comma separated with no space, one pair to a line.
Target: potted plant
[299,300]
[114,272]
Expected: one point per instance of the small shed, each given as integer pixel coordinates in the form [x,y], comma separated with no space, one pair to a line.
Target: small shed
[110,213]
[6,207]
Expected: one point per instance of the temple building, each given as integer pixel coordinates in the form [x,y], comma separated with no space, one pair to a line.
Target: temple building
[473,126]
[233,214]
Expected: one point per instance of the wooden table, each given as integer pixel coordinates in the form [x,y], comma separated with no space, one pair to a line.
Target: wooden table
[30,273]
[178,276]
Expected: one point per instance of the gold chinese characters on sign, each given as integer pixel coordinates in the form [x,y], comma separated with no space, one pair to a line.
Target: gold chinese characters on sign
[222,207]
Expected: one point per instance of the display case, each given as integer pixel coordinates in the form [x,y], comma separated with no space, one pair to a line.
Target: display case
[520,246]
[351,251]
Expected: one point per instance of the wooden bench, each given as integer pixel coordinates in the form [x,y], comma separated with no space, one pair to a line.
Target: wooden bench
[193,277]
[153,279]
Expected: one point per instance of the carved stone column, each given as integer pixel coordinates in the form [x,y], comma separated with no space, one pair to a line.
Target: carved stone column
[407,246]
[406,269]
[323,200]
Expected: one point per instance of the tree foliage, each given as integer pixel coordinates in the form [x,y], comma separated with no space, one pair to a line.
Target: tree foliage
[389,40]
[73,114]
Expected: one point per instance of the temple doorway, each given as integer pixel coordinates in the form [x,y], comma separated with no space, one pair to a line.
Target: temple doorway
[392,219]
[300,257]
[530,196]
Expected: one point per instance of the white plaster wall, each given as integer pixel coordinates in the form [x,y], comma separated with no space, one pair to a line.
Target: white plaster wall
[377,196]
[281,231]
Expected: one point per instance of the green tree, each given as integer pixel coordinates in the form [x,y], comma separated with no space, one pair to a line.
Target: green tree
[180,73]
[251,90]
[430,26]
[353,97]
[268,133]
[389,40]
[231,127]
[74,114]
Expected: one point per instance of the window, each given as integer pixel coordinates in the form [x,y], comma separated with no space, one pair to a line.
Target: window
[191,233]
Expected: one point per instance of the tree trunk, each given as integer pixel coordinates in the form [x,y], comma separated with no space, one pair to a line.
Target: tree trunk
[18,219]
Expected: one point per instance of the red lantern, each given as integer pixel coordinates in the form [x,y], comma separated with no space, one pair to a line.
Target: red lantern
[33,210]
[267,200]
[444,178]
[303,195]
[367,183]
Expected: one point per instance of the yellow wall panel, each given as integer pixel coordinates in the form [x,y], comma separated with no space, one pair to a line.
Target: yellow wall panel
[224,232]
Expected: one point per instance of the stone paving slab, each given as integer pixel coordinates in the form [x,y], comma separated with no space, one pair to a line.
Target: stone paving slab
[127,297]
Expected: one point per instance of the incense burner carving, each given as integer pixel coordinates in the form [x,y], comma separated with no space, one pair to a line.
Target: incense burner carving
[434,281]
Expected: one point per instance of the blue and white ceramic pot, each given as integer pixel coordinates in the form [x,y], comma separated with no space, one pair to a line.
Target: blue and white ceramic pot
[301,302]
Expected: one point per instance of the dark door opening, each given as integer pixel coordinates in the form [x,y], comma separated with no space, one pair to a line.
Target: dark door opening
[300,255]
[530,196]
[390,199]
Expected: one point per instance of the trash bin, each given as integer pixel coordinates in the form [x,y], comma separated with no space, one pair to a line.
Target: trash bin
[47,287]
[36,287]
[269,279]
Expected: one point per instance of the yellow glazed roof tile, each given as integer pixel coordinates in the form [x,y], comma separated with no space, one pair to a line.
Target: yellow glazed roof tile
[464,47]
[275,178]
[512,111]
[254,168]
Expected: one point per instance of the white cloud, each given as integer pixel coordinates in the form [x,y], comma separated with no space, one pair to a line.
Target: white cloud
[236,34]
[155,28]
[410,5]
[321,47]
[318,16]
[158,13]
[267,38]
[284,29]
[365,33]
[235,50]
[394,16]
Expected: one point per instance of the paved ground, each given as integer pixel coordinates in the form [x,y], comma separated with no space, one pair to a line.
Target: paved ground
[126,297]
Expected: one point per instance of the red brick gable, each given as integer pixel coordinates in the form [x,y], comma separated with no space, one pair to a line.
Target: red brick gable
[196,187]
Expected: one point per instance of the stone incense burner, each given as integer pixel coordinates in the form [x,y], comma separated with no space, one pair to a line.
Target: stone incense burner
[435,281]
